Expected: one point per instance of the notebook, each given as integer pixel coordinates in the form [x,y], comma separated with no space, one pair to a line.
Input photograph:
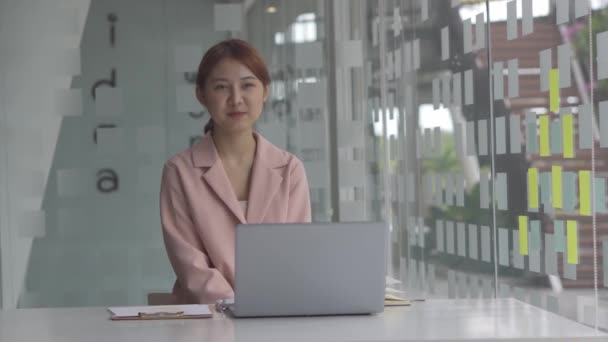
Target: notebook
[159,312]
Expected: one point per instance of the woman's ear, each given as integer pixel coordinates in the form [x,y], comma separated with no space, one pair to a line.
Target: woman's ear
[266,92]
[199,96]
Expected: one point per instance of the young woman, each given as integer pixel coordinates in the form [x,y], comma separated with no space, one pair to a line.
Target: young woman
[232,175]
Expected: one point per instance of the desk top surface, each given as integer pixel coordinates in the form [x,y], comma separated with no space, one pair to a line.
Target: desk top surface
[434,320]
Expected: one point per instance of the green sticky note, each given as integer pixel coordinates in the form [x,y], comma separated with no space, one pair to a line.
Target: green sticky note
[556,175]
[523,235]
[544,136]
[568,134]
[533,188]
[584,195]
[559,233]
[572,241]
[554,90]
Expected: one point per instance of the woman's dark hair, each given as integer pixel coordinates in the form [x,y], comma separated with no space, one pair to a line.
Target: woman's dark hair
[238,50]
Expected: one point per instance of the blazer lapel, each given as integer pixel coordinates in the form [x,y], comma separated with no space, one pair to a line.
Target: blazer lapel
[265,180]
[204,155]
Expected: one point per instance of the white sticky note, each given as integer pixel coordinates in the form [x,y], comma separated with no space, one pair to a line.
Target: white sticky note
[457,89]
[484,190]
[424,10]
[603,114]
[503,246]
[437,141]
[581,8]
[501,136]
[187,58]
[602,55]
[550,255]
[482,137]
[480,31]
[68,102]
[467,34]
[527,21]
[486,247]
[562,12]
[436,93]
[518,259]
[513,66]
[228,17]
[449,190]
[309,55]
[515,133]
[446,97]
[458,140]
[185,99]
[511,20]
[468,87]
[445,43]
[440,235]
[32,224]
[460,191]
[501,191]
[73,182]
[462,236]
[351,53]
[499,87]
[584,126]
[109,101]
[545,67]
[110,141]
[563,64]
[449,228]
[470,135]
[473,245]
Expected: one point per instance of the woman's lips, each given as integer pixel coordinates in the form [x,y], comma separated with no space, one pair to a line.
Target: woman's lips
[236,114]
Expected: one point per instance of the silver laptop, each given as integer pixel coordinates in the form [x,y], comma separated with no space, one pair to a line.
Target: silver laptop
[309,269]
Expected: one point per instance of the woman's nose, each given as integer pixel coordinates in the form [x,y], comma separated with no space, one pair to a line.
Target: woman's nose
[235,96]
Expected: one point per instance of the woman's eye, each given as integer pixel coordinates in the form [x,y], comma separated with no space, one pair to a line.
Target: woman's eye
[248,85]
[220,87]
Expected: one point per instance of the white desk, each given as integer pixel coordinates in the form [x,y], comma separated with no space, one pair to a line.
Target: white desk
[435,320]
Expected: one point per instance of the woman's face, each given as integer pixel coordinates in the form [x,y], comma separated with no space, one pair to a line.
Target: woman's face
[233,95]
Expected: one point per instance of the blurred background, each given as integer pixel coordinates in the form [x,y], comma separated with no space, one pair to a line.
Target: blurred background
[478,130]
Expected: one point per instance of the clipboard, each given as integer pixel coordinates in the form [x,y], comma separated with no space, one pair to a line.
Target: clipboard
[157,312]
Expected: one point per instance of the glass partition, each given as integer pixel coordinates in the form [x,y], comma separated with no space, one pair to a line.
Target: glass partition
[475,129]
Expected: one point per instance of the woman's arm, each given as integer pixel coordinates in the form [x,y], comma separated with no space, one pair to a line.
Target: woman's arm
[203,284]
[298,210]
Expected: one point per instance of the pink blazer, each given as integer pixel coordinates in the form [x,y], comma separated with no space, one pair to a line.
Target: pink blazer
[199,212]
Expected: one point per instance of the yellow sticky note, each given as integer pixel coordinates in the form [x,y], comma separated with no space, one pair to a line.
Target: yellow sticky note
[554,90]
[556,180]
[584,192]
[568,134]
[572,241]
[533,188]
[544,136]
[523,235]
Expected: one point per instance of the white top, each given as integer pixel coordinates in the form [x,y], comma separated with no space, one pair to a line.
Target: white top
[244,207]
[433,320]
